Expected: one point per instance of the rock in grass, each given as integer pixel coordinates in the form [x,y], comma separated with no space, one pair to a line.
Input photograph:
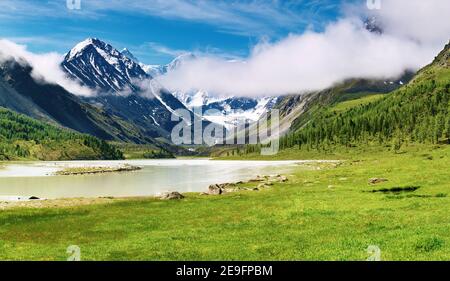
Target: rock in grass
[263,185]
[277,178]
[215,189]
[377,180]
[218,189]
[172,196]
[257,179]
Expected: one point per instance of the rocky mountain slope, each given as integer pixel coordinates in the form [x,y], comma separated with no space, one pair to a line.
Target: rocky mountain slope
[51,103]
[123,87]
[228,110]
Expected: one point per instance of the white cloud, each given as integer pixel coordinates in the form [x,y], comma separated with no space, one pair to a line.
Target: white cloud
[415,31]
[46,67]
[425,21]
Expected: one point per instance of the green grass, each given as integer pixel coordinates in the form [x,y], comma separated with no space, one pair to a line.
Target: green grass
[346,105]
[326,214]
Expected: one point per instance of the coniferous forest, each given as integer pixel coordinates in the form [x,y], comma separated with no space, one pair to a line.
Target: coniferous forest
[24,138]
[415,113]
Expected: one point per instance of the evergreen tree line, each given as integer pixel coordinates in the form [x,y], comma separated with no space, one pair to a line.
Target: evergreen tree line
[18,133]
[416,113]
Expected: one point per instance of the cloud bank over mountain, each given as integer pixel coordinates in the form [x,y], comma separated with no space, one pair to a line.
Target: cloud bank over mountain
[46,67]
[413,32]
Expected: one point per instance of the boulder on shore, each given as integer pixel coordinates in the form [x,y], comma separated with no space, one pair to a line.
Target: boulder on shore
[215,189]
[257,179]
[263,182]
[263,185]
[277,178]
[172,196]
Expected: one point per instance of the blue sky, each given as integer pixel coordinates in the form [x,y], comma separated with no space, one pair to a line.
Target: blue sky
[158,30]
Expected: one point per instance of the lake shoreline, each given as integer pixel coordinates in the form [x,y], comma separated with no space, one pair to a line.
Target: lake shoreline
[264,181]
[93,180]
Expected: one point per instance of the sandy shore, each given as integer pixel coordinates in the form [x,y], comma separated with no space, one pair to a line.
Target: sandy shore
[62,203]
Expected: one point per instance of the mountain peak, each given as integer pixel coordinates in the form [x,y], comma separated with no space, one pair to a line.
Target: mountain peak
[443,58]
[186,56]
[129,55]
[80,47]
[99,65]
[181,59]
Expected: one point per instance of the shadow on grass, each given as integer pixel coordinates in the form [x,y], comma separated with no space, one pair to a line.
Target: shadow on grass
[396,189]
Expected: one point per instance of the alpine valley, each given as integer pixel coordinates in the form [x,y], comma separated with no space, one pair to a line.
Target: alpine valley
[130,105]
[91,167]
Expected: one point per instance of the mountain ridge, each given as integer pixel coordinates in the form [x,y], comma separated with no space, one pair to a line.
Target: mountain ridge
[229,110]
[52,103]
[125,89]
[100,66]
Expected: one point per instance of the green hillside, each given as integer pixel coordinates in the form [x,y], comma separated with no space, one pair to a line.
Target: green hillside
[417,112]
[22,137]
[298,110]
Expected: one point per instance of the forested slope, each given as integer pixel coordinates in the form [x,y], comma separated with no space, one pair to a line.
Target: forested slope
[22,137]
[417,112]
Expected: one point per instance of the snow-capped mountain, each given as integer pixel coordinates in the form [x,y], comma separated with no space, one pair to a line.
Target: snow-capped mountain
[223,110]
[98,65]
[129,55]
[153,69]
[157,70]
[232,111]
[179,61]
[125,89]
[227,111]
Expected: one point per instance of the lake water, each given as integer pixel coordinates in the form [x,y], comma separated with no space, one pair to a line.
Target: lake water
[156,177]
